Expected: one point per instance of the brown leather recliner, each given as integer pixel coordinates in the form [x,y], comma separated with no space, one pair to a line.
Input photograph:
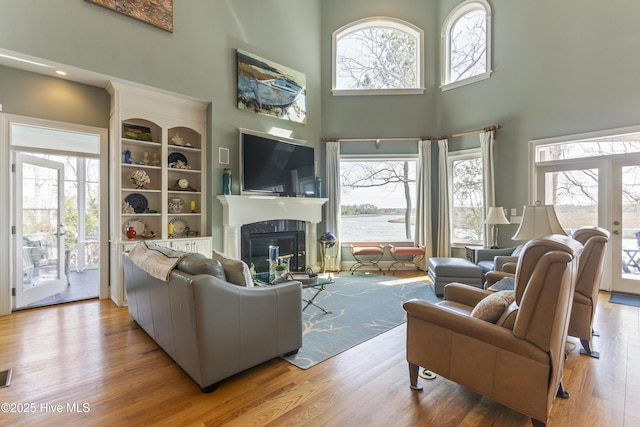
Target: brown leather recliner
[585,299]
[518,361]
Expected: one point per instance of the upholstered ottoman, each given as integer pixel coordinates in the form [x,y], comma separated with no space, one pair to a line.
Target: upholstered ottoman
[446,270]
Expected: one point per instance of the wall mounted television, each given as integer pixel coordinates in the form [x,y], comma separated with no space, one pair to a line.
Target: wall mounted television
[275,165]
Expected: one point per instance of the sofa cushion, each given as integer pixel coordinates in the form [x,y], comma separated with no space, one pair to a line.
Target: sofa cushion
[199,264]
[491,307]
[236,270]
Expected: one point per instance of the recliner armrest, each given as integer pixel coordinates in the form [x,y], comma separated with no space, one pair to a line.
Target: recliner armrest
[501,260]
[480,330]
[464,294]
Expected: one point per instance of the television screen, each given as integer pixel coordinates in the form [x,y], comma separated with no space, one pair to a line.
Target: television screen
[272,165]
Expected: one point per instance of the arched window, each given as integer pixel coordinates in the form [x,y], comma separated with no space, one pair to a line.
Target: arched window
[377,56]
[466,44]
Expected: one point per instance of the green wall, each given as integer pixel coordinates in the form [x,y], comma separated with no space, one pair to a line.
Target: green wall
[36,95]
[197,59]
[558,68]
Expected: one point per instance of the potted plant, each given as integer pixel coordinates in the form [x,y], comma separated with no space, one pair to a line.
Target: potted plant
[282,269]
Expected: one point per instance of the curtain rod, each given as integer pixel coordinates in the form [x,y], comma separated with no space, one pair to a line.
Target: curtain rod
[416,138]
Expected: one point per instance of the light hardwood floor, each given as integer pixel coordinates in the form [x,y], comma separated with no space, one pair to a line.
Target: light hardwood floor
[88,363]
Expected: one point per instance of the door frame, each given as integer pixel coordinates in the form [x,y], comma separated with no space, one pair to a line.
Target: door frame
[605,184]
[6,241]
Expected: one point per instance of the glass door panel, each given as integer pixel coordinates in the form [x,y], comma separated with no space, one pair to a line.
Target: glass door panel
[39,229]
[574,194]
[626,227]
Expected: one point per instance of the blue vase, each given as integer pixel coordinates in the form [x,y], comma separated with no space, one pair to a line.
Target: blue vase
[226,181]
[317,191]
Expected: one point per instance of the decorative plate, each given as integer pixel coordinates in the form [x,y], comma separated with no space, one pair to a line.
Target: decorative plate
[179,226]
[174,157]
[138,224]
[138,202]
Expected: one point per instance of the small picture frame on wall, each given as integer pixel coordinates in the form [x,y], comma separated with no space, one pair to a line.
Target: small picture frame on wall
[155,12]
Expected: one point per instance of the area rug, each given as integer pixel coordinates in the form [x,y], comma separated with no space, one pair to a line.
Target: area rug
[362,306]
[625,300]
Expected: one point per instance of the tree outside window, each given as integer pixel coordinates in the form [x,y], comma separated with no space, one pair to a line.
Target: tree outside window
[378,55]
[467,200]
[378,200]
[466,49]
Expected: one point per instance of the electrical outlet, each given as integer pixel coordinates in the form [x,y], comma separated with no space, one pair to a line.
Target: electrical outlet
[516,219]
[514,211]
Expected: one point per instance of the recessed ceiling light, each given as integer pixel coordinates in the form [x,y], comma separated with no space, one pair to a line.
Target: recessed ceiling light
[60,72]
[14,58]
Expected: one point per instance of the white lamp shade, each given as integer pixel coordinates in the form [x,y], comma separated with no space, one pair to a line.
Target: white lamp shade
[496,216]
[538,221]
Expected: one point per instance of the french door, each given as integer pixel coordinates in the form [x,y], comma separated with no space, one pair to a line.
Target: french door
[39,229]
[605,192]
[625,225]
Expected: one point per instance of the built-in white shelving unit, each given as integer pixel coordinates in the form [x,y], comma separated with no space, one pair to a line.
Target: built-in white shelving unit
[162,135]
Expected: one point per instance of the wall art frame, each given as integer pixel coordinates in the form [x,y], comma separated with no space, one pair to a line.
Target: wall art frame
[265,87]
[158,13]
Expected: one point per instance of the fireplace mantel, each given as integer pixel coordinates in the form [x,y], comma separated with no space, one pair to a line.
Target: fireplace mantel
[240,210]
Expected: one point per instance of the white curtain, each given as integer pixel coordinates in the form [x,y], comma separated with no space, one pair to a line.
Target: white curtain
[332,207]
[486,145]
[424,236]
[444,222]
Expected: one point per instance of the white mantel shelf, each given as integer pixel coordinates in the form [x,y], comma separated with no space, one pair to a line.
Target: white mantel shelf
[240,210]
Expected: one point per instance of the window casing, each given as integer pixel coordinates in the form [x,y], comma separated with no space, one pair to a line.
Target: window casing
[466,197]
[466,44]
[357,48]
[375,211]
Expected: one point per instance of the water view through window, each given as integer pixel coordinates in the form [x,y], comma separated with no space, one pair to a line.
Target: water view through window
[378,200]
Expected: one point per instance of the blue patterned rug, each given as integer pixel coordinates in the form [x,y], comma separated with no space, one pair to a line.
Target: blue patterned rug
[362,306]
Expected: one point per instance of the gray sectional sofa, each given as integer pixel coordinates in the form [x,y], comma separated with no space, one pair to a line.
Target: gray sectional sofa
[210,327]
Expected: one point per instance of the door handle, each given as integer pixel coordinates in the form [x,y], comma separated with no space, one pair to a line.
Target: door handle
[616,222]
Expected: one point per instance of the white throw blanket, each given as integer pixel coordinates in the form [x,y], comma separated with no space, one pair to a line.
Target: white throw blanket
[156,260]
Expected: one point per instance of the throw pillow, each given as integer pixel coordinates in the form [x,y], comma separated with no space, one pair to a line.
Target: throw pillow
[491,307]
[199,264]
[236,270]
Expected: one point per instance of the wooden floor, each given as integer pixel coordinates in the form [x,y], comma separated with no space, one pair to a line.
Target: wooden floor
[88,363]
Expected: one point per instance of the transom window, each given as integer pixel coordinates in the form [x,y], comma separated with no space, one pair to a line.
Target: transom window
[378,56]
[466,49]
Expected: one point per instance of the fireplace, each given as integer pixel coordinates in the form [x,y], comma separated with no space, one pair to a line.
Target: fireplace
[243,210]
[288,235]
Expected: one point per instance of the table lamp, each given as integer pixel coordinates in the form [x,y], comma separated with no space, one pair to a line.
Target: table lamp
[495,216]
[537,221]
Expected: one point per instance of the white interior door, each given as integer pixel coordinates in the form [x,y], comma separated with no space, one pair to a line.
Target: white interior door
[625,225]
[39,229]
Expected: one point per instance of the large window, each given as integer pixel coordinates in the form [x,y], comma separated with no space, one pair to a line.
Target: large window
[466,197]
[377,200]
[378,56]
[466,49]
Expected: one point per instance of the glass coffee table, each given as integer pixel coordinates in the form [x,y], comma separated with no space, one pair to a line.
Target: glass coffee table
[317,283]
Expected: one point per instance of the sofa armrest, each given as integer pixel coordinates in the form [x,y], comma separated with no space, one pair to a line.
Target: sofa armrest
[490,254]
[241,327]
